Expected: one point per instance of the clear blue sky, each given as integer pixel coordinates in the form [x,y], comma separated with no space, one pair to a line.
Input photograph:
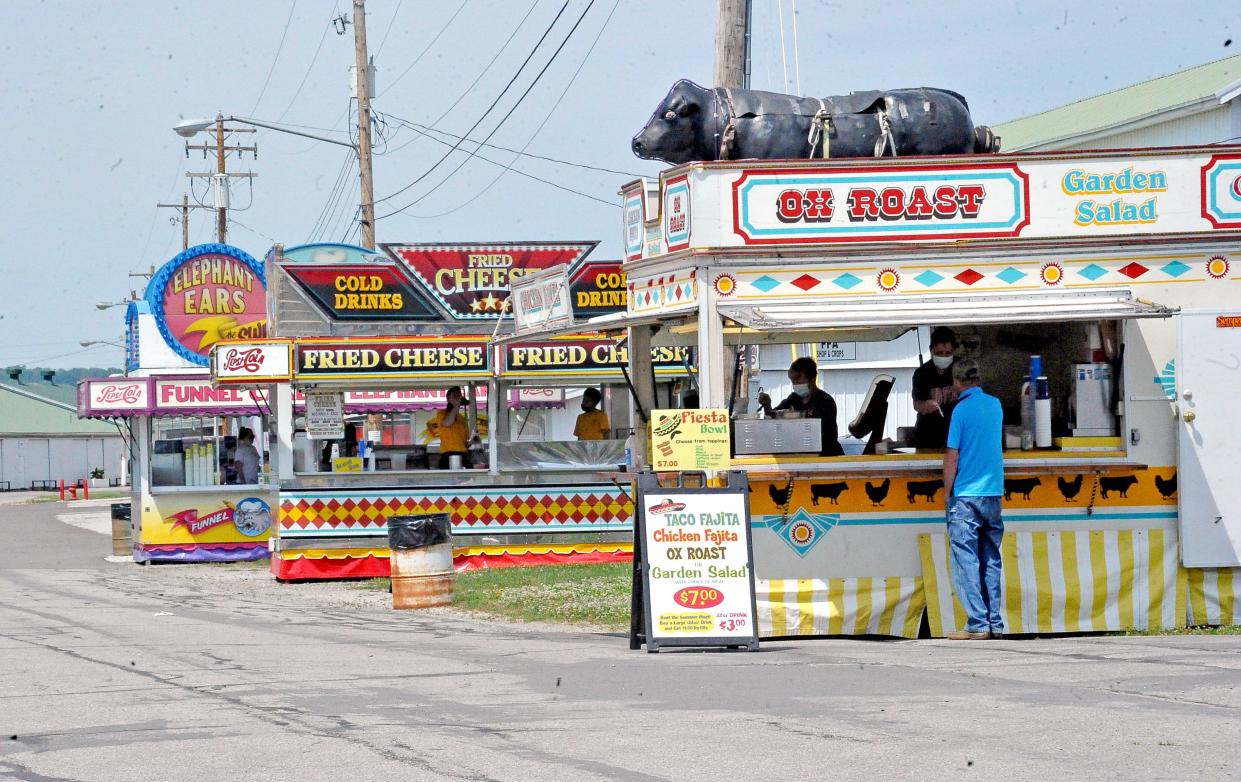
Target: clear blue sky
[92,89]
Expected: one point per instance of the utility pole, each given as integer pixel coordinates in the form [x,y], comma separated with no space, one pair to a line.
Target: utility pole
[220,177]
[362,75]
[732,43]
[185,206]
[732,71]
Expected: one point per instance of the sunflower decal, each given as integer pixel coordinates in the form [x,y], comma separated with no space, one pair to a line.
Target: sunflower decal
[1051,274]
[1217,267]
[725,284]
[888,280]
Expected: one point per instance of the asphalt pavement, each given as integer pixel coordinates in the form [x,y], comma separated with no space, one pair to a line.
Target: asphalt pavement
[115,671]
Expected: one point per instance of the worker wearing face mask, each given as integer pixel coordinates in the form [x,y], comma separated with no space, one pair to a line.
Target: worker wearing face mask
[808,397]
[933,393]
[592,424]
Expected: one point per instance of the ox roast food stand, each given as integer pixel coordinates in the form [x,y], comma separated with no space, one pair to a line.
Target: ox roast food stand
[188,502]
[419,322]
[1136,250]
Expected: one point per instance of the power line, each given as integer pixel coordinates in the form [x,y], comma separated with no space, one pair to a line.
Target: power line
[251,230]
[546,119]
[507,114]
[423,129]
[519,172]
[274,60]
[423,53]
[330,203]
[314,58]
[477,79]
[490,108]
[392,21]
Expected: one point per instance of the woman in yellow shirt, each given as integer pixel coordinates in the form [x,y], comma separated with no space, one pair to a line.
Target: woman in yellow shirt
[592,424]
[450,426]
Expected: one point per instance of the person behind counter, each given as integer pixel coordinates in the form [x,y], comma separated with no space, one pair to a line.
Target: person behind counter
[814,401]
[450,426]
[593,423]
[246,457]
[933,393]
[348,446]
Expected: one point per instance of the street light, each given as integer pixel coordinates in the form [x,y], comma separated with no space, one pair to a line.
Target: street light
[103,305]
[190,127]
[90,343]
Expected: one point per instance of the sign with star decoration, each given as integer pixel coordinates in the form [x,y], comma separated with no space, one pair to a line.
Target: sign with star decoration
[471,281]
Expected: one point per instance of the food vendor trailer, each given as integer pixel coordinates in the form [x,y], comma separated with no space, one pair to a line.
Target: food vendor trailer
[416,326]
[190,502]
[1114,266]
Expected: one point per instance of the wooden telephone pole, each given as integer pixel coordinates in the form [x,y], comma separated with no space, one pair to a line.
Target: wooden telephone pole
[362,77]
[220,177]
[732,70]
[185,206]
[732,43]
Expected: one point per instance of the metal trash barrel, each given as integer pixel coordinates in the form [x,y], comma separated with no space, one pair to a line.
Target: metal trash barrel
[421,559]
[122,545]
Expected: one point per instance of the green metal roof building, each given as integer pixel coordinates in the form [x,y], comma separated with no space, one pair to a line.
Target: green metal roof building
[42,438]
[1195,106]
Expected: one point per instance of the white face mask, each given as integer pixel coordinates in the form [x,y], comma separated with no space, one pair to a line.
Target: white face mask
[801,389]
[941,362]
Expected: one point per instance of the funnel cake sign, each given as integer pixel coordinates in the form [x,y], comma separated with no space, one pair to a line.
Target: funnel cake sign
[472,281]
[208,293]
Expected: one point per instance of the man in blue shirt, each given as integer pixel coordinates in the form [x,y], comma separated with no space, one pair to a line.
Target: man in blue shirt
[973,485]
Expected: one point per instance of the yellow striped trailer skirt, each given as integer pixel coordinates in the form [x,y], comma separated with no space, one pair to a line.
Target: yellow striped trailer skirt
[839,606]
[1212,596]
[1070,581]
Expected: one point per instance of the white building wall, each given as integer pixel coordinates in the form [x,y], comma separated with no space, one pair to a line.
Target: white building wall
[45,458]
[1216,126]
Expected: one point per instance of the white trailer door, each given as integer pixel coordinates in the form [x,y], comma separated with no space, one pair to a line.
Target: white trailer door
[1208,386]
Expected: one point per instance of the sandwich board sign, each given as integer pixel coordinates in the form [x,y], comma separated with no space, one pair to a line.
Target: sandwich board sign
[693,565]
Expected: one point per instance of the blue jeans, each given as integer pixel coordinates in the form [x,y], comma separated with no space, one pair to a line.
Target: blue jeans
[975,530]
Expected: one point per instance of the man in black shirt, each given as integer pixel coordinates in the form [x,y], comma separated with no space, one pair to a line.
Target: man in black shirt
[933,394]
[807,395]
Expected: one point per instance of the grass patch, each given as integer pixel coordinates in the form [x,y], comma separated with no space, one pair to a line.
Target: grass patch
[96,494]
[567,594]
[1221,630]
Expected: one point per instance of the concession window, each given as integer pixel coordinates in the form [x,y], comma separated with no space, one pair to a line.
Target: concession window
[876,311]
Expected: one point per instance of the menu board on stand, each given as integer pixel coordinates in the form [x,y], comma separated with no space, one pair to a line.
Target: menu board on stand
[693,565]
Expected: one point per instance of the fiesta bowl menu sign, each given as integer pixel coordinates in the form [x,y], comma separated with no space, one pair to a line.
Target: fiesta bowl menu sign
[206,294]
[472,282]
[780,206]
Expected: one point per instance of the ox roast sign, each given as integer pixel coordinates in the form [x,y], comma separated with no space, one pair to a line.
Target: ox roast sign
[206,294]
[257,361]
[472,282]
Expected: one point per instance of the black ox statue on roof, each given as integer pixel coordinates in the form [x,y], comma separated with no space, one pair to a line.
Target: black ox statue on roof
[695,123]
